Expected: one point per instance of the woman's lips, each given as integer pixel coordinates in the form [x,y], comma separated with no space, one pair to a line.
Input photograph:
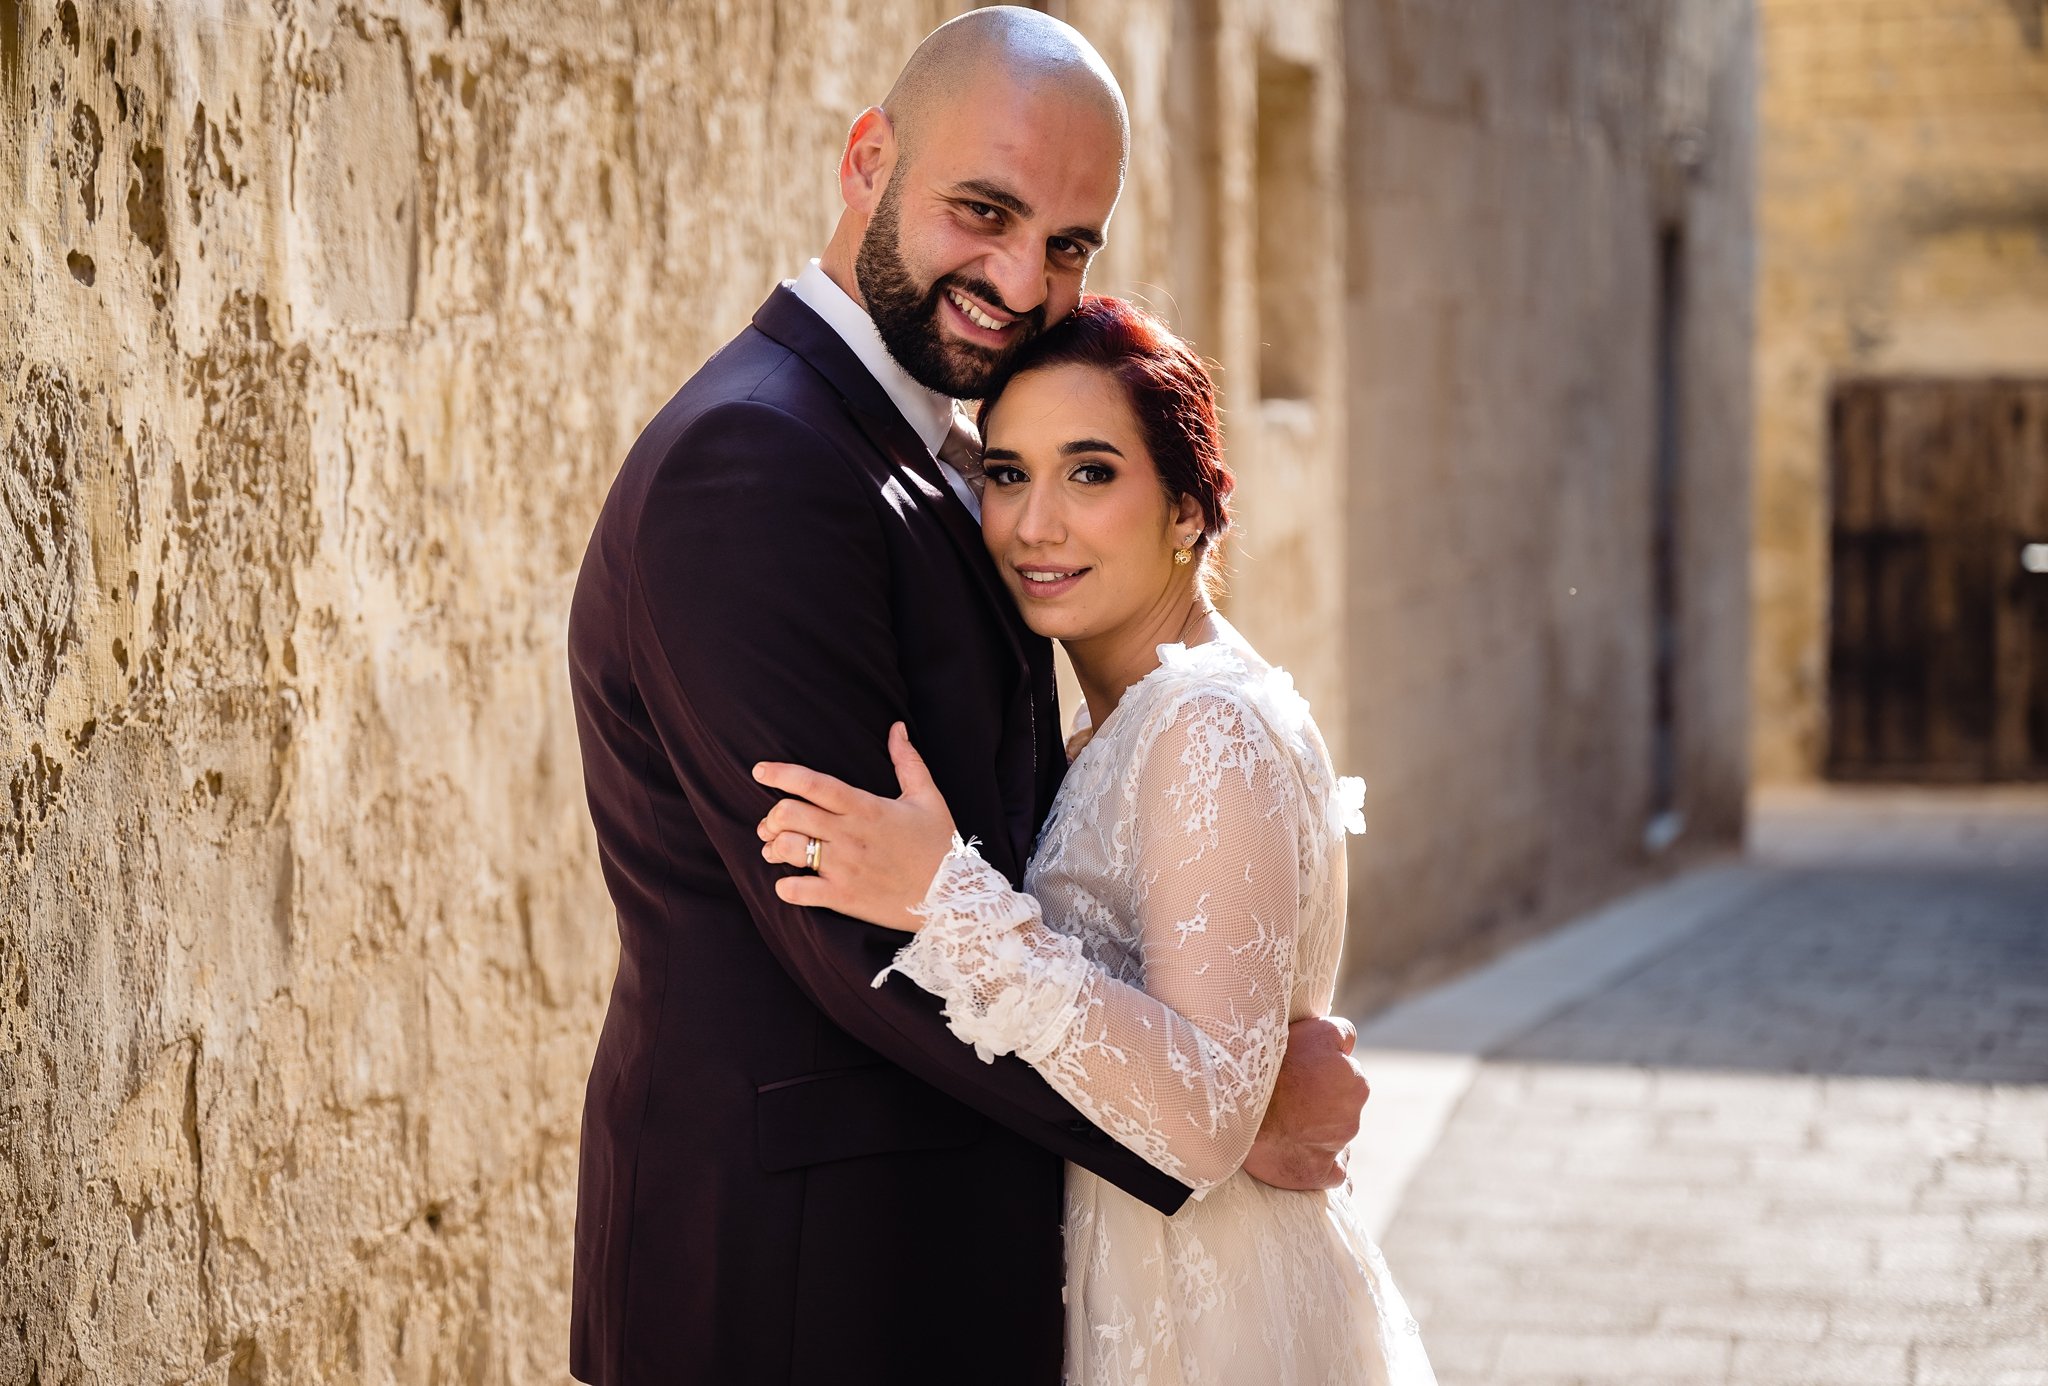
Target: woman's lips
[1043,583]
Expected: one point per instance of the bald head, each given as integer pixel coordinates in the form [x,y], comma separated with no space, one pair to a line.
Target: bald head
[960,59]
[978,194]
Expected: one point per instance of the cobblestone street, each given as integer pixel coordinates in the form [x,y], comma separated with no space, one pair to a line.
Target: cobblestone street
[1807,1142]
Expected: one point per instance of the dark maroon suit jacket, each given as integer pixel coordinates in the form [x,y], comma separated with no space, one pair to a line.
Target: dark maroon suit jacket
[788,1175]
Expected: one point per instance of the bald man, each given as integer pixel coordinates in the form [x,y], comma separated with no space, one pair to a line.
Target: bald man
[788,1175]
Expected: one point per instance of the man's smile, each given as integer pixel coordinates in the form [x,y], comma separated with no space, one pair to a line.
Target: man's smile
[976,314]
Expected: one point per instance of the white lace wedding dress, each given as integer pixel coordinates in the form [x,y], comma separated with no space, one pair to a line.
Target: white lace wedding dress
[1186,903]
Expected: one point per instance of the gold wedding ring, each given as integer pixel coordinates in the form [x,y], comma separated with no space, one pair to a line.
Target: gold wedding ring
[814,853]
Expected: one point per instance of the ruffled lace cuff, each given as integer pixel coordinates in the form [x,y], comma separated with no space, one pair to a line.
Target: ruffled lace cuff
[1009,983]
[1348,810]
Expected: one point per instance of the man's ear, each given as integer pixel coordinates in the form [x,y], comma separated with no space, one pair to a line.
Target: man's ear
[869,159]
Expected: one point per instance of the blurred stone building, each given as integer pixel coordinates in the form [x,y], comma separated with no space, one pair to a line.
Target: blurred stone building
[322,330]
[1902,392]
[1478,277]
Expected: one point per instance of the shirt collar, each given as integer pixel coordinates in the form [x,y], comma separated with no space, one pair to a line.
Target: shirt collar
[928,412]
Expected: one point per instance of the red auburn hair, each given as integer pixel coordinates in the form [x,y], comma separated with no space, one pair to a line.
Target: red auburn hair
[1168,387]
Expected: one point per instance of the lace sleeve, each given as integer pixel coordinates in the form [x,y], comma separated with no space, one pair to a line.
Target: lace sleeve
[1181,1071]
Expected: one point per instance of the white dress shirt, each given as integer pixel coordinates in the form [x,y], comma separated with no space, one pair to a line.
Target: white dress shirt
[928,412]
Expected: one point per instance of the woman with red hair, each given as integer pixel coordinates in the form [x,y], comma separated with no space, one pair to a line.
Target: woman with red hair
[1185,901]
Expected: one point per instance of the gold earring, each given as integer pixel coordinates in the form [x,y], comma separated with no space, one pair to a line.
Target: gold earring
[1184,556]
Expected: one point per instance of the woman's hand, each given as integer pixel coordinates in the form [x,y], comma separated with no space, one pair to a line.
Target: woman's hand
[875,857]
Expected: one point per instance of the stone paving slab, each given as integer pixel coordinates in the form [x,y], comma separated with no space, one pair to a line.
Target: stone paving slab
[1806,1142]
[1424,1053]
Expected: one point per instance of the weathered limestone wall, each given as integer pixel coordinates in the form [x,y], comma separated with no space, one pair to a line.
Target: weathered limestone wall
[1231,226]
[1512,170]
[322,330]
[1421,241]
[1903,228]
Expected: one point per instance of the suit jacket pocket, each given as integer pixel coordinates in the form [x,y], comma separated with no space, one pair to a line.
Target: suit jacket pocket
[848,1112]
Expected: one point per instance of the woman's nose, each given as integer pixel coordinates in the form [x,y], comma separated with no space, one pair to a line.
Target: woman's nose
[1038,519]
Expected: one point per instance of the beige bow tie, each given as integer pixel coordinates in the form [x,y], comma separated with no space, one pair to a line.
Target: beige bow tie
[962,451]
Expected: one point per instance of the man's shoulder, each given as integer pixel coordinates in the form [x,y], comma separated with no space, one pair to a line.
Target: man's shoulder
[755,421]
[753,369]
[752,388]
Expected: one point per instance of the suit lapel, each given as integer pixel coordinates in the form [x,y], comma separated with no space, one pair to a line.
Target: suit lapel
[786,319]
[920,470]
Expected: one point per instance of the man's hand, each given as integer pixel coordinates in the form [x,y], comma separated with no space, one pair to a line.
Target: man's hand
[1316,1107]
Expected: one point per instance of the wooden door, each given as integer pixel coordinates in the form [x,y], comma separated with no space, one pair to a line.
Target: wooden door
[1938,641]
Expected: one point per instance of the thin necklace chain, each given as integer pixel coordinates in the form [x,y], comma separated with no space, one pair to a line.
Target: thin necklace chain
[1195,617]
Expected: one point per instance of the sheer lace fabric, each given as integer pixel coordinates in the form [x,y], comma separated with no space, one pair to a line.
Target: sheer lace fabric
[1185,903]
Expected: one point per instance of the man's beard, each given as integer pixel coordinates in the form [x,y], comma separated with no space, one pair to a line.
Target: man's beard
[908,317]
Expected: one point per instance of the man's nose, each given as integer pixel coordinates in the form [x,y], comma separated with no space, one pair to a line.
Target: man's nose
[1018,273]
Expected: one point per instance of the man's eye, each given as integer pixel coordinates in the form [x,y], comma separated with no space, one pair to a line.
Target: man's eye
[983,211]
[1068,250]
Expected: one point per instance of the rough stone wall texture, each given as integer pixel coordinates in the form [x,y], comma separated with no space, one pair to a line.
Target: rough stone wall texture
[323,327]
[1902,228]
[1512,170]
[322,330]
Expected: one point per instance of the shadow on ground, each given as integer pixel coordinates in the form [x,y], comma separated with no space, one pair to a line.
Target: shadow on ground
[1868,971]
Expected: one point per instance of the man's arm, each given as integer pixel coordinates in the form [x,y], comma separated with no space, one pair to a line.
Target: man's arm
[1315,1109]
[765,586]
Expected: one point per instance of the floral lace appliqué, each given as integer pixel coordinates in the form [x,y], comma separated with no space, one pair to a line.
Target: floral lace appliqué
[1184,905]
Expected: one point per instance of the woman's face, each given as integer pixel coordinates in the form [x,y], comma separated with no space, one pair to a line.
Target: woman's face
[1074,513]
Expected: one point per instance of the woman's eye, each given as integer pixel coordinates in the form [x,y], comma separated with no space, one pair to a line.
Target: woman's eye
[1002,474]
[1094,473]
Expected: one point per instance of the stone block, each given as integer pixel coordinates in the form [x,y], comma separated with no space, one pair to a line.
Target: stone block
[1992,1364]
[1598,1357]
[1763,1360]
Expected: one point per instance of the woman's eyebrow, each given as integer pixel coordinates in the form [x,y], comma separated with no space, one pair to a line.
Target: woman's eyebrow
[1000,455]
[1089,445]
